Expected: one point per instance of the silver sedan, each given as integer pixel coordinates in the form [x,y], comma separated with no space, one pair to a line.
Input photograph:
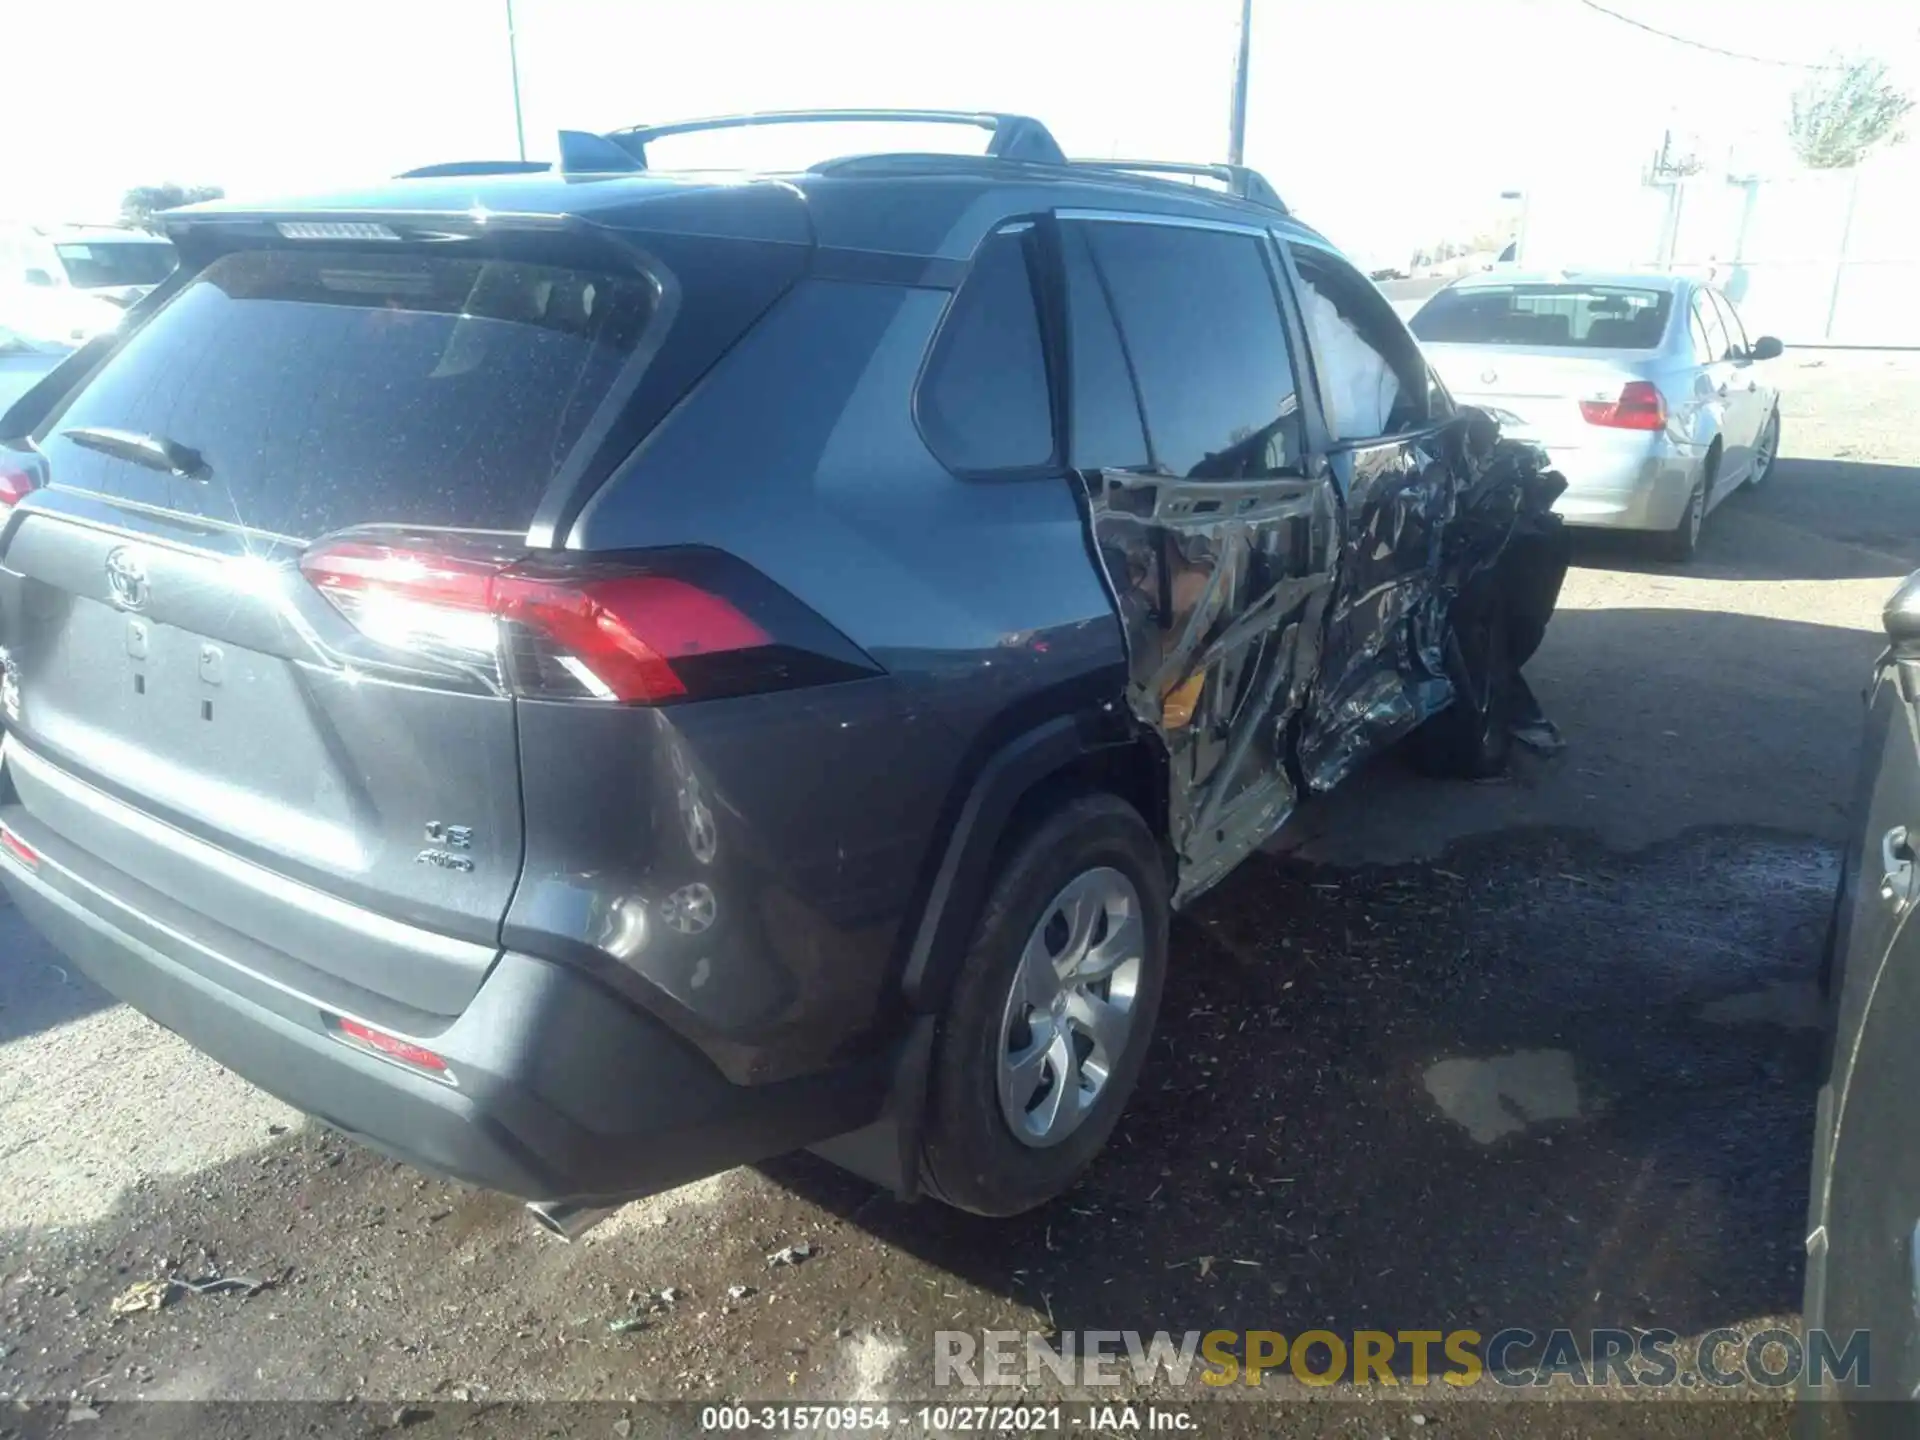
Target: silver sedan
[1645,389]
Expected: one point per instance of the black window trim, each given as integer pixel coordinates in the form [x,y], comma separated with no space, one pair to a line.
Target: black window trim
[1043,278]
[1280,275]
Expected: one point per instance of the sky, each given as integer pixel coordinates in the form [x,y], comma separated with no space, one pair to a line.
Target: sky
[1387,123]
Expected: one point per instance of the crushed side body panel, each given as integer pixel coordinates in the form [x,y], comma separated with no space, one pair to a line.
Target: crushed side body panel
[1281,631]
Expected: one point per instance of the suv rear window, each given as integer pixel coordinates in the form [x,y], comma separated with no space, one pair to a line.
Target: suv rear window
[1591,317]
[332,389]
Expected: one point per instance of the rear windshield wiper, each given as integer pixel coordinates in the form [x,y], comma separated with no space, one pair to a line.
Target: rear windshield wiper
[156,452]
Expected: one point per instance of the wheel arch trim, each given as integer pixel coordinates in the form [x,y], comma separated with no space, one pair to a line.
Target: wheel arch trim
[964,876]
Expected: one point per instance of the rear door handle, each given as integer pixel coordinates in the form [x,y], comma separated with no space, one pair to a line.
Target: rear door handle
[1897,874]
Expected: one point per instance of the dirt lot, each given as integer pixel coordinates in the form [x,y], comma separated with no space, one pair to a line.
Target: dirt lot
[1536,1052]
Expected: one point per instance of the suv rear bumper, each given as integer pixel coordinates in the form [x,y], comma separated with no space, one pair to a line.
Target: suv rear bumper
[559,1089]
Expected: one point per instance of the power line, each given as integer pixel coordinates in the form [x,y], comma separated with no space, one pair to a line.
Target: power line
[1702,45]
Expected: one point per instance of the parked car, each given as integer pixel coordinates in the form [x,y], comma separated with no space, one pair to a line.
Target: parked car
[586,679]
[1644,389]
[1863,1215]
[65,284]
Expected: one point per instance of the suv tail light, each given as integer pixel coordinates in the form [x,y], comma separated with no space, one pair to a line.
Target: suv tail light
[557,625]
[19,476]
[1639,407]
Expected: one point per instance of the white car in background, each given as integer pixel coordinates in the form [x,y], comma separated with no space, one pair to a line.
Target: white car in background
[68,283]
[1644,389]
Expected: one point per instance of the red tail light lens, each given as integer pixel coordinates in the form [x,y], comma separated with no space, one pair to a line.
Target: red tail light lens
[544,626]
[18,479]
[1639,407]
[417,1057]
[19,849]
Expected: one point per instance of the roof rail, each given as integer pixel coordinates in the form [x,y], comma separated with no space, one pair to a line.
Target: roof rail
[1014,137]
[1242,181]
[1011,137]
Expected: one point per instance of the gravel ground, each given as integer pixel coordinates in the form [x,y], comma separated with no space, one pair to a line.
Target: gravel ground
[1535,1052]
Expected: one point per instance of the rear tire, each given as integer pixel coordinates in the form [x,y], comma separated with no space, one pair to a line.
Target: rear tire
[1472,739]
[1680,544]
[1084,892]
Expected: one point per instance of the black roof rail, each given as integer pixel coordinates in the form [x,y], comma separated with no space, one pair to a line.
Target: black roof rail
[1242,181]
[1011,137]
[1014,137]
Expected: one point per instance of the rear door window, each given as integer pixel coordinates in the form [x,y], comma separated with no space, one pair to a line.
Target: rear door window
[1372,376]
[1729,317]
[984,402]
[1201,321]
[1104,413]
[1711,325]
[330,389]
[1697,333]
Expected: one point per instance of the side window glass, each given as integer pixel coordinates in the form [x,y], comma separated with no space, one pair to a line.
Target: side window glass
[1702,352]
[984,402]
[1716,332]
[1730,317]
[1371,372]
[1104,426]
[1201,322]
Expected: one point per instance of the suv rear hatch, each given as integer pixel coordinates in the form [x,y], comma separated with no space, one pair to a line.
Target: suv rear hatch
[315,775]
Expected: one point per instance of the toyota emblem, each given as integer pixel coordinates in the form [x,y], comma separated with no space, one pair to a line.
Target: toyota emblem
[127,578]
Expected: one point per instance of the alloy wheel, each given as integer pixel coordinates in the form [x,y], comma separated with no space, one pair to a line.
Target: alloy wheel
[1069,1013]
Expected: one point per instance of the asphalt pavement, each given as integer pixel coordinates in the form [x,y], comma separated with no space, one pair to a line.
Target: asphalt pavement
[1539,1051]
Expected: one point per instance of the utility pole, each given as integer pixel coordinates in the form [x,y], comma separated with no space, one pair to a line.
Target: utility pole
[1237,126]
[513,60]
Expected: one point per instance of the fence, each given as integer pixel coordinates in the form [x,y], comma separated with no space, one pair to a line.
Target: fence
[1816,257]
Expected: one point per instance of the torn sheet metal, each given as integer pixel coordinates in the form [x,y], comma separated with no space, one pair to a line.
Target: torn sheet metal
[1421,528]
[1221,586]
[1280,631]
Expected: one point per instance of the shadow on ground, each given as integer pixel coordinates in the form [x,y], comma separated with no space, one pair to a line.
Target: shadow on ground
[1672,718]
[38,988]
[1868,516]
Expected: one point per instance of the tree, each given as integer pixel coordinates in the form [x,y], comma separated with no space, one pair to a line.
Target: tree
[140,204]
[1841,114]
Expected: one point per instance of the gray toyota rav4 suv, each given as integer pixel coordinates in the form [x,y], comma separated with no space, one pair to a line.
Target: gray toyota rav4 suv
[583,676]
